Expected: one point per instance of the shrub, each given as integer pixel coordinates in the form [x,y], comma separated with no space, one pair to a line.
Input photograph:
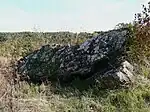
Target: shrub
[142,33]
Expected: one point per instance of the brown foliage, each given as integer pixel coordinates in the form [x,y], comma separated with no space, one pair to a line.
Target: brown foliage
[142,33]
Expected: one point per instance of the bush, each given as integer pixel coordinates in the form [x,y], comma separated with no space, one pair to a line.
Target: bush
[142,33]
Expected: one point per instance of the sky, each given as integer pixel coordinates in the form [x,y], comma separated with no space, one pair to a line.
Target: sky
[66,15]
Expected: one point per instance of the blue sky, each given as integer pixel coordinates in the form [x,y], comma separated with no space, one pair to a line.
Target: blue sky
[66,15]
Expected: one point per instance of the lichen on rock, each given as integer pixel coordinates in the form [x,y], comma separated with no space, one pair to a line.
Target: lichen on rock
[100,55]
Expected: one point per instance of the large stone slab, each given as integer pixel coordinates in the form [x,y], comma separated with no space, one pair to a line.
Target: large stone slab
[101,55]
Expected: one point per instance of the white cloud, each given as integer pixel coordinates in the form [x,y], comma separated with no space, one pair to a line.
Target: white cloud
[14,19]
[85,15]
[145,1]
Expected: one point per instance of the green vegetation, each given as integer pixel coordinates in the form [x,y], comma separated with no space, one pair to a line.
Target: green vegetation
[20,44]
[16,96]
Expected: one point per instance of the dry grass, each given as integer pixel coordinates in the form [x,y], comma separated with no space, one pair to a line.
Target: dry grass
[22,97]
[16,96]
[12,98]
